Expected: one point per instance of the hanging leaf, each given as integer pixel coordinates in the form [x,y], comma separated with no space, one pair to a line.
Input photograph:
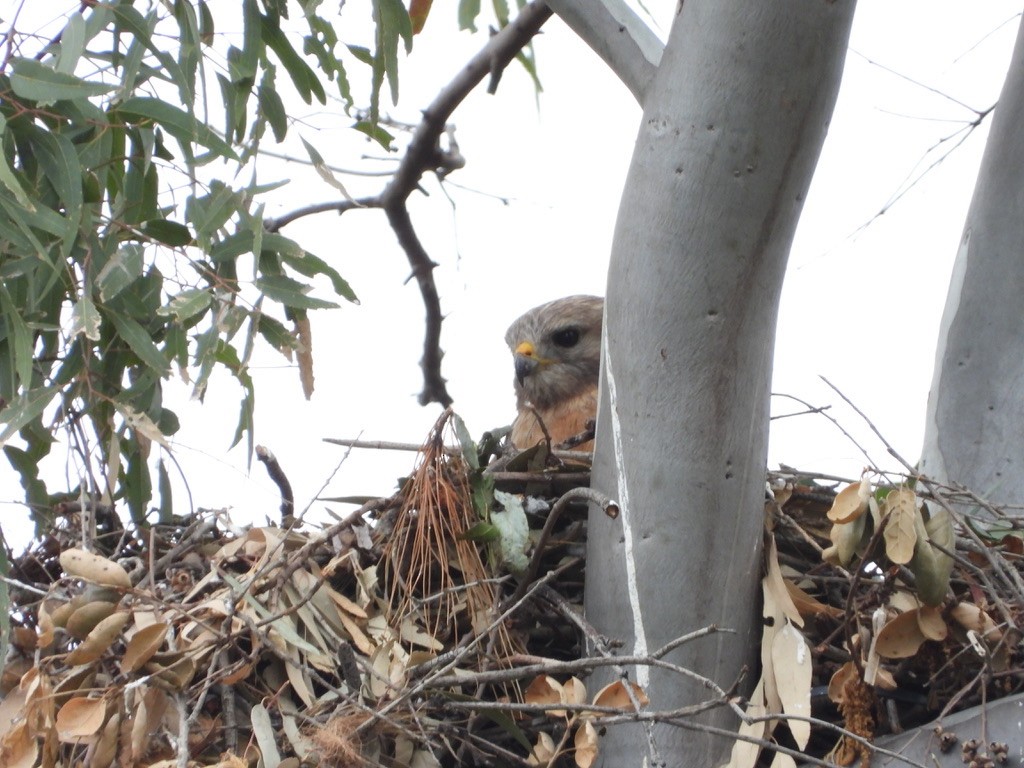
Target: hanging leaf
[900,515]
[791,659]
[931,566]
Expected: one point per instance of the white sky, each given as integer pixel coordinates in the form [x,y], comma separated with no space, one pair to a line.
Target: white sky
[862,310]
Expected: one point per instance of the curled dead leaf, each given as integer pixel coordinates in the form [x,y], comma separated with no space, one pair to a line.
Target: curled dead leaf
[851,502]
[543,750]
[20,748]
[574,691]
[933,626]
[545,691]
[615,694]
[971,617]
[586,745]
[774,583]
[901,637]
[840,678]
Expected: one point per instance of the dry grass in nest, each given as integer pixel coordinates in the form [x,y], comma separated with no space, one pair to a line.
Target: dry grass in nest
[432,568]
[338,741]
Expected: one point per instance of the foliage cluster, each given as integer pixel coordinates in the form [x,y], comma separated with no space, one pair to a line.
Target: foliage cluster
[132,221]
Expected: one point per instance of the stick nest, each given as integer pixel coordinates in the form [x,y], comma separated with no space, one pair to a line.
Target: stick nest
[399,636]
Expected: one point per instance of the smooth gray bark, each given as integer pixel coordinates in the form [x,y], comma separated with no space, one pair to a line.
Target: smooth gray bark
[974,432]
[734,120]
[618,36]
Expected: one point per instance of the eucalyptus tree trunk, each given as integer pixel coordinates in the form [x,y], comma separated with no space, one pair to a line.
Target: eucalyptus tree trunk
[974,433]
[735,115]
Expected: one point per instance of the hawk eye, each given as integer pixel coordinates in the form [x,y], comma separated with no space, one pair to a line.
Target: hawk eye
[567,337]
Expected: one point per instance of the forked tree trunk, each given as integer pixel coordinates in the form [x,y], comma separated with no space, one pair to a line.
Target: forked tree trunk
[733,123]
[975,428]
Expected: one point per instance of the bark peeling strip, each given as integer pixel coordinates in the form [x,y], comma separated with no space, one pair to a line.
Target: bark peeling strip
[639,633]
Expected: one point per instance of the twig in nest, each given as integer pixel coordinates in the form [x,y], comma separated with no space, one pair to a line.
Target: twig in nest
[611,508]
[579,439]
[277,474]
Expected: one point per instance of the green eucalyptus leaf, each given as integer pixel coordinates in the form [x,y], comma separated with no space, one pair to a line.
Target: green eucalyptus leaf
[24,408]
[291,293]
[302,75]
[188,303]
[484,533]
[140,342]
[167,232]
[35,81]
[85,319]
[120,271]
[272,108]
[468,11]
[176,121]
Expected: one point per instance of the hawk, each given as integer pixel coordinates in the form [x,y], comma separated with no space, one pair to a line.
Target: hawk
[557,353]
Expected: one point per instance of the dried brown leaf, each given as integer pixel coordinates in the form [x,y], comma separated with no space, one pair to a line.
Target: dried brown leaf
[586,745]
[837,684]
[304,354]
[91,567]
[901,637]
[615,694]
[745,753]
[900,532]
[782,760]
[174,669]
[99,640]
[544,690]
[791,661]
[145,725]
[543,750]
[777,585]
[808,605]
[84,620]
[971,617]
[365,645]
[19,748]
[574,691]
[143,645]
[80,717]
[851,502]
[106,747]
[933,626]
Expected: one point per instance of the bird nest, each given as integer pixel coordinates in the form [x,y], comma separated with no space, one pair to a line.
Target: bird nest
[442,626]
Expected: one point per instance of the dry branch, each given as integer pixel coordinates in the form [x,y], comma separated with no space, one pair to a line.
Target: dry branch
[424,154]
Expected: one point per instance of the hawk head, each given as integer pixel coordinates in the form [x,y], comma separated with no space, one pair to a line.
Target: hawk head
[557,350]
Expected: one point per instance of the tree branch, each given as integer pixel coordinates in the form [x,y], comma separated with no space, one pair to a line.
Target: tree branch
[618,36]
[424,154]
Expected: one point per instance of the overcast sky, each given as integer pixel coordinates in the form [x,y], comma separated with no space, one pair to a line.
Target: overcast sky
[531,218]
